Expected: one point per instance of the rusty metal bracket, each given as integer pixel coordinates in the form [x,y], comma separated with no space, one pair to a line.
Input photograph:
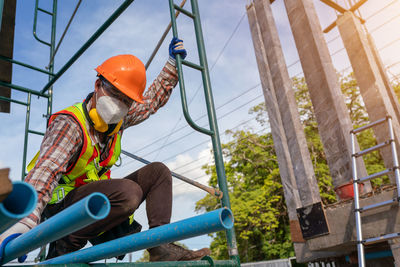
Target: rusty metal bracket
[342,10]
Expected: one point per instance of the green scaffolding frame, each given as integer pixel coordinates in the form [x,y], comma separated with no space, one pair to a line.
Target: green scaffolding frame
[47,92]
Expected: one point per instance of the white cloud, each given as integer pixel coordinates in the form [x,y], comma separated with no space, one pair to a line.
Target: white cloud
[190,167]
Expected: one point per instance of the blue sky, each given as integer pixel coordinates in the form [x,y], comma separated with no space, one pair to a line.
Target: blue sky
[165,136]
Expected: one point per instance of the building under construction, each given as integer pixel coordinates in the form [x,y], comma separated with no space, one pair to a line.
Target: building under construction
[362,228]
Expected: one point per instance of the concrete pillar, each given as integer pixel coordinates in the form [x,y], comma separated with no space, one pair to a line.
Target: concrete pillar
[333,120]
[370,80]
[286,102]
[386,80]
[282,152]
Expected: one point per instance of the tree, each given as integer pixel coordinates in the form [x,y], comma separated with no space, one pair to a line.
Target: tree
[256,199]
[254,184]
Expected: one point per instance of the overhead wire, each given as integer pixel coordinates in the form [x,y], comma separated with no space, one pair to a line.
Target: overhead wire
[195,160]
[343,48]
[224,133]
[215,62]
[199,177]
[211,68]
[195,146]
[219,118]
[338,36]
[202,116]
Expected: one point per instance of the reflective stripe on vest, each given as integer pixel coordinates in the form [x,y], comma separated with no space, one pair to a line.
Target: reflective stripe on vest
[88,165]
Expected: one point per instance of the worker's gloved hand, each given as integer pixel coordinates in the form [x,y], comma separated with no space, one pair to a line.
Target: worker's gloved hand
[12,233]
[176,47]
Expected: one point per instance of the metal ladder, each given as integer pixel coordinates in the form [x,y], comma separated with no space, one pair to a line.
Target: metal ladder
[212,118]
[49,71]
[357,209]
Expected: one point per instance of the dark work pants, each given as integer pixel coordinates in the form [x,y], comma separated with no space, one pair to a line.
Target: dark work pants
[152,183]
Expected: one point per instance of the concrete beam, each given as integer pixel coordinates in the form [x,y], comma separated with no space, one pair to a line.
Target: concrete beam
[333,120]
[5,184]
[370,80]
[375,223]
[280,143]
[284,93]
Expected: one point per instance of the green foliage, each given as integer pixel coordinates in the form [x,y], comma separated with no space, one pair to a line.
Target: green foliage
[396,88]
[256,199]
[253,177]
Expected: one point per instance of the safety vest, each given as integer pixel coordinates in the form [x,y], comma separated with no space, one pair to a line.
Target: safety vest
[88,168]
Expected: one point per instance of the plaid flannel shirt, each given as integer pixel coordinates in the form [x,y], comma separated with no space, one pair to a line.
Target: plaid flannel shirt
[63,140]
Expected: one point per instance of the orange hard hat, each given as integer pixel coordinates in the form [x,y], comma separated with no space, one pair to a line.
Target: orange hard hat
[127,73]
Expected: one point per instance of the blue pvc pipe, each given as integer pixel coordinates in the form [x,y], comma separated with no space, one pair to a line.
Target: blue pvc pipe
[83,213]
[210,222]
[17,205]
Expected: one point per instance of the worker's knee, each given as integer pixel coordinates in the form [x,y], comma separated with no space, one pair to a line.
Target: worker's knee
[162,171]
[130,193]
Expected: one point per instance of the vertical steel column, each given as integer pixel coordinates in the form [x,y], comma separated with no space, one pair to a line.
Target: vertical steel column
[51,65]
[212,118]
[51,44]
[357,213]
[27,118]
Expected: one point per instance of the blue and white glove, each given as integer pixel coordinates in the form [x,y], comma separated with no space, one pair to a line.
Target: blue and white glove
[9,235]
[176,47]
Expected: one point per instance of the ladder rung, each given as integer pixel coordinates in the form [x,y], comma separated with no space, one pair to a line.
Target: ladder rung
[192,65]
[369,150]
[373,240]
[372,124]
[45,11]
[373,176]
[378,205]
[184,11]
[35,132]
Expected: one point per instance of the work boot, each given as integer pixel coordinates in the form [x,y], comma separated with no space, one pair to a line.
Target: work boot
[173,252]
[58,248]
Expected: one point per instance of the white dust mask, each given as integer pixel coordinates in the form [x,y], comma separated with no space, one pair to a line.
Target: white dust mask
[110,109]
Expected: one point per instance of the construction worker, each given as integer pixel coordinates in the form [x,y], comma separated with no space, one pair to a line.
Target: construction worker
[82,143]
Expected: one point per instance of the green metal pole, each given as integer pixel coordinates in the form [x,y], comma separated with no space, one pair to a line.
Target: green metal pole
[28,114]
[24,64]
[213,132]
[212,118]
[22,89]
[51,65]
[88,43]
[6,99]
